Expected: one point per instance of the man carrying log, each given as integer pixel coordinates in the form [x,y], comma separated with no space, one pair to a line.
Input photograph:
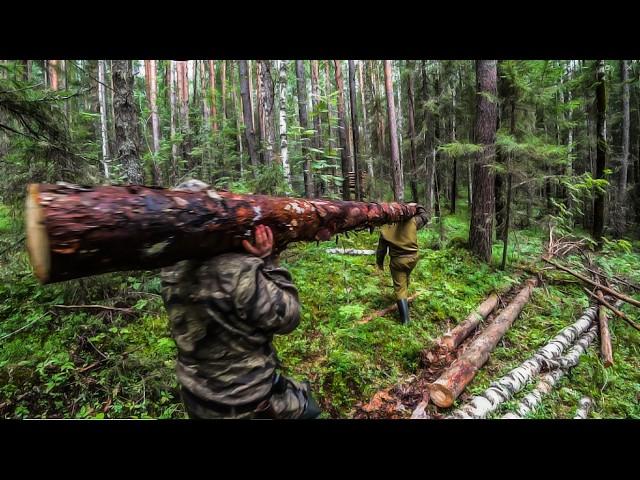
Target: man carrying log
[401,241]
[224,312]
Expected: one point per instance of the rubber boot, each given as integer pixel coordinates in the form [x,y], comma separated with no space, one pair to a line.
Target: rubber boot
[403,309]
[313,410]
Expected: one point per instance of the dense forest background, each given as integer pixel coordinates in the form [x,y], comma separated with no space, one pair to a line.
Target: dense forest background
[498,152]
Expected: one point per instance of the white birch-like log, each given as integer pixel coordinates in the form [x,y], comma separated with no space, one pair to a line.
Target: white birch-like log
[531,401]
[103,119]
[350,251]
[506,387]
[584,408]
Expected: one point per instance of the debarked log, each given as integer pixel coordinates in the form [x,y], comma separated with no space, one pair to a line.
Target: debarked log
[584,408]
[453,381]
[456,336]
[75,231]
[517,379]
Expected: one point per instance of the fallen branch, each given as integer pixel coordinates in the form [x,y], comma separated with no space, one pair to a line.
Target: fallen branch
[584,408]
[531,401]
[385,311]
[350,251]
[23,327]
[613,309]
[453,381]
[606,350]
[594,284]
[455,337]
[506,387]
[101,307]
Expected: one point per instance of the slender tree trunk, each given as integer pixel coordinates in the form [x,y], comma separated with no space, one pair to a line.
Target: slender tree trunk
[284,152]
[624,161]
[361,66]
[245,93]
[481,228]
[103,120]
[454,166]
[206,109]
[155,121]
[342,131]
[304,123]
[238,118]
[266,101]
[412,133]
[429,155]
[126,120]
[52,72]
[397,177]
[601,151]
[327,92]
[171,74]
[353,99]
[212,95]
[183,104]
[223,82]
[317,124]
[258,126]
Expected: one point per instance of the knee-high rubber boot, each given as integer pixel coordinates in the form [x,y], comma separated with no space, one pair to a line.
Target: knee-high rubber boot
[403,309]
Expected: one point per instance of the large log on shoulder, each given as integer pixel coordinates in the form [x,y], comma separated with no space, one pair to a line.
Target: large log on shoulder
[75,231]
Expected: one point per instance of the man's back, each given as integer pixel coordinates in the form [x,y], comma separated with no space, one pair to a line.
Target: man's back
[224,313]
[402,238]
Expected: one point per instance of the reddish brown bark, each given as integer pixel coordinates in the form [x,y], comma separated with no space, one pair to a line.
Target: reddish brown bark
[453,381]
[605,337]
[75,231]
[455,337]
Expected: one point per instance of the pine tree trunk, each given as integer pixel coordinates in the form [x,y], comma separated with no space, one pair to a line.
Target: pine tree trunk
[206,109]
[342,131]
[354,127]
[284,151]
[429,156]
[412,133]
[171,74]
[266,101]
[52,74]
[396,167]
[223,81]
[126,122]
[481,228]
[361,75]
[155,121]
[212,96]
[246,112]
[103,120]
[304,124]
[77,231]
[601,151]
[624,161]
[317,124]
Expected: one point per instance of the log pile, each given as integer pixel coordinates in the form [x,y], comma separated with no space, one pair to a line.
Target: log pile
[517,379]
[453,381]
[75,231]
[456,336]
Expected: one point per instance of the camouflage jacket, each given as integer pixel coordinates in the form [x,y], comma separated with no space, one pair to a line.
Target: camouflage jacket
[224,313]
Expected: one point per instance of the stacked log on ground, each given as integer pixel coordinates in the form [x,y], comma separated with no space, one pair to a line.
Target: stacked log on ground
[531,401]
[75,231]
[584,408]
[617,312]
[456,336]
[350,251]
[606,350]
[453,381]
[513,382]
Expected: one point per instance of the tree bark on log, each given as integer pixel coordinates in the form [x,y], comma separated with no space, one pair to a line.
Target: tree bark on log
[453,381]
[506,387]
[605,336]
[455,337]
[608,290]
[584,408]
[531,401]
[75,231]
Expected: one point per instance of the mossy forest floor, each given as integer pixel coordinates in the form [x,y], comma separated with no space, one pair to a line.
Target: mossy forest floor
[60,363]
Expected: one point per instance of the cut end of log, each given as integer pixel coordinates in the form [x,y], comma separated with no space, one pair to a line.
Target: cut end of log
[440,395]
[37,238]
